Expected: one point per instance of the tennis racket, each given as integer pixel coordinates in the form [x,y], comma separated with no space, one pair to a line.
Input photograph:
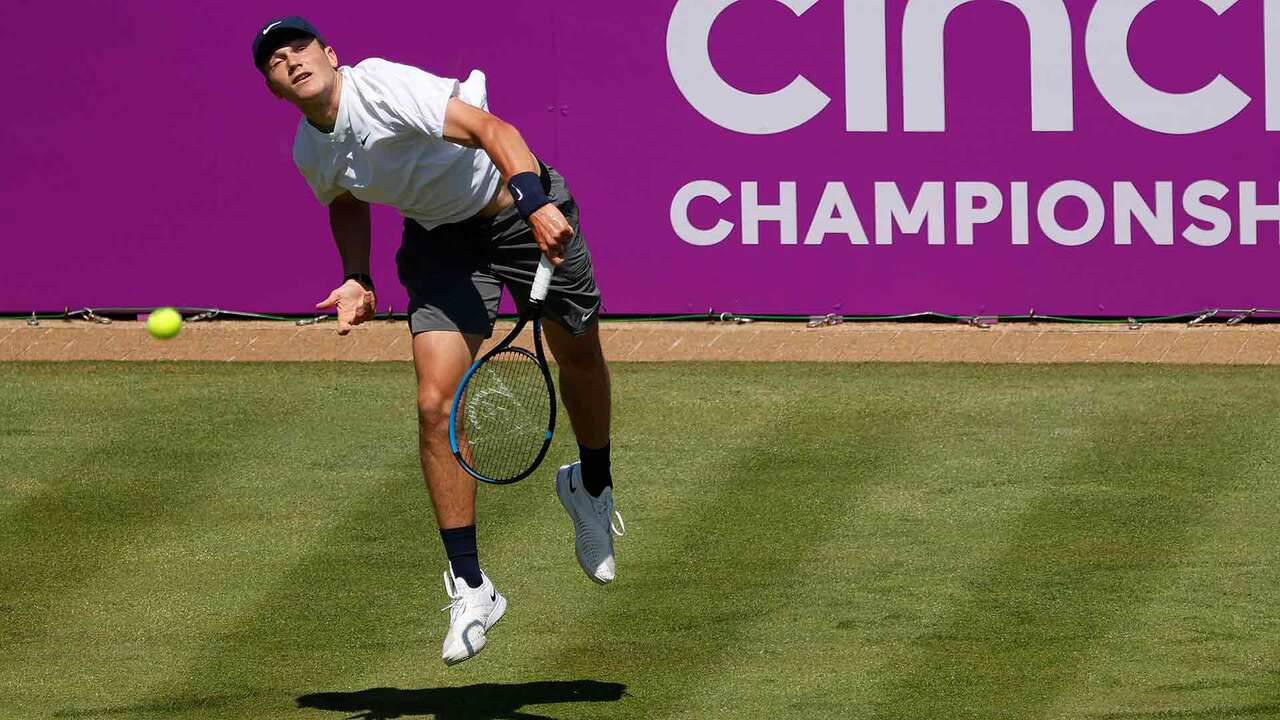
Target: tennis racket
[504,411]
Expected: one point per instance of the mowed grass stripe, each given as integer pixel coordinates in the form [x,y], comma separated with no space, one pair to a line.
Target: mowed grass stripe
[765,558]
[1108,535]
[125,483]
[244,575]
[350,596]
[36,425]
[1207,643]
[171,572]
[96,523]
[896,553]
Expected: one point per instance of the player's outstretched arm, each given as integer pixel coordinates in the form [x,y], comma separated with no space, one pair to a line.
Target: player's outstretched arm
[473,127]
[349,221]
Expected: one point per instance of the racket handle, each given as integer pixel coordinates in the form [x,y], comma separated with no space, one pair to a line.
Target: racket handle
[542,280]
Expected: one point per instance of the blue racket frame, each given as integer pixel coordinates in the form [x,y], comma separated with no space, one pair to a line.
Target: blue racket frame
[541,359]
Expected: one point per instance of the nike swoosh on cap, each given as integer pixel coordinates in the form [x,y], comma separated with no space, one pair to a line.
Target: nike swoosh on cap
[267,29]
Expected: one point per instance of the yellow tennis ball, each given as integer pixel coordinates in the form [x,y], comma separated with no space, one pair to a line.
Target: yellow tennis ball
[164,323]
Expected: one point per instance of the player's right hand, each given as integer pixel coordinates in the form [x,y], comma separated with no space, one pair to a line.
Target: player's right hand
[354,303]
[551,231]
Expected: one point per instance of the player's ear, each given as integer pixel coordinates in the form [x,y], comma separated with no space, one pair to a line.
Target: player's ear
[332,54]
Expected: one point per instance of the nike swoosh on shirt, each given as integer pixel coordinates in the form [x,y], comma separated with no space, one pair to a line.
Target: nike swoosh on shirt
[365,141]
[268,28]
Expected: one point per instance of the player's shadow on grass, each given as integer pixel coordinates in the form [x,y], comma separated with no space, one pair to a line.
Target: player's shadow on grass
[488,701]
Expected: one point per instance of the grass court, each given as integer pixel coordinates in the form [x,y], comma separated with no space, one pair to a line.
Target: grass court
[201,540]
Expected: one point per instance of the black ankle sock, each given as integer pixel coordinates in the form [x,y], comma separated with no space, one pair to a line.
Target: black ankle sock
[595,469]
[460,546]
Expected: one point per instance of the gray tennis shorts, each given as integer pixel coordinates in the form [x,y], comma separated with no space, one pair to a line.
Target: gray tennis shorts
[455,273]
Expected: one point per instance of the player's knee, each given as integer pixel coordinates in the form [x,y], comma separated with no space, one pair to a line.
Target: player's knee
[581,357]
[433,409]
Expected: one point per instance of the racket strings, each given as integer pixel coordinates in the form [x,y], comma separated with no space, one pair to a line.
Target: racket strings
[506,411]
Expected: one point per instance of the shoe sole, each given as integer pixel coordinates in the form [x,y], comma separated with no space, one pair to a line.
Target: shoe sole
[560,493]
[500,609]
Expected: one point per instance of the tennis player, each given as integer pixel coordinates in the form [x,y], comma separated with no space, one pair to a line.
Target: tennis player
[479,211]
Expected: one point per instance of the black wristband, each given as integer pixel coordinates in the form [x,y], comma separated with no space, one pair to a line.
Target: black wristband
[365,281]
[526,188]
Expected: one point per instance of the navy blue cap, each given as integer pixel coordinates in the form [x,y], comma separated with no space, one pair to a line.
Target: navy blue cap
[266,40]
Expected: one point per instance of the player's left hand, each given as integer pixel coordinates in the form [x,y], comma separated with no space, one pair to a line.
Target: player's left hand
[552,231]
[355,305]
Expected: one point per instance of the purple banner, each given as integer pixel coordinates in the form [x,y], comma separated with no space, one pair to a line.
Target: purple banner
[752,156]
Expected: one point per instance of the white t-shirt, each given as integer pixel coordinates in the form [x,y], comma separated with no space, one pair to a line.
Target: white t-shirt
[387,146]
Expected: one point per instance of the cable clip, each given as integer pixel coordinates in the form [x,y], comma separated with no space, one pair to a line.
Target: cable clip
[827,320]
[1202,317]
[1242,317]
[206,315]
[312,321]
[89,315]
[33,321]
[982,323]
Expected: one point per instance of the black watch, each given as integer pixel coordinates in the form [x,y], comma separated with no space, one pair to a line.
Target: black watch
[365,281]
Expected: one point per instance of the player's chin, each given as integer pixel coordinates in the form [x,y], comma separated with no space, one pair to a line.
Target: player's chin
[302,95]
[304,91]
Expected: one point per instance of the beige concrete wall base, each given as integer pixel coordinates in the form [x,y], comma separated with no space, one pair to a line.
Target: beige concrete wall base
[672,341]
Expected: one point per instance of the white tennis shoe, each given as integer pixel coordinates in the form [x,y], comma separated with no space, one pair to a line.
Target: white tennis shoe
[473,612]
[593,527]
